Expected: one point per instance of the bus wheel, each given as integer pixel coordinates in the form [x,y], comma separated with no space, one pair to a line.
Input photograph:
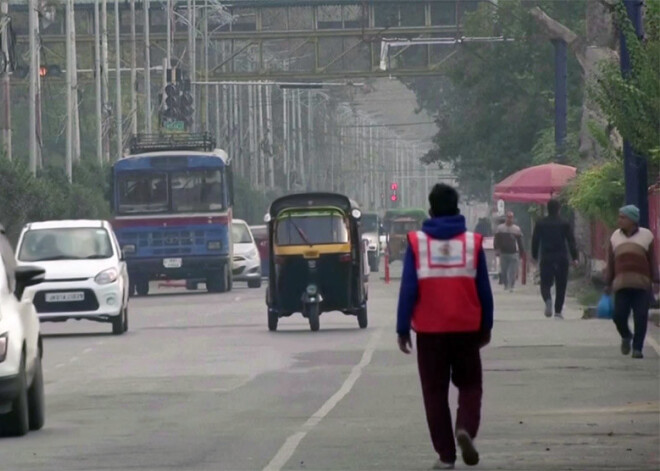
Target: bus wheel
[142,287]
[218,282]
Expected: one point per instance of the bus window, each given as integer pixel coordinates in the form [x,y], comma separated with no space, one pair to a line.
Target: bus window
[142,192]
[197,190]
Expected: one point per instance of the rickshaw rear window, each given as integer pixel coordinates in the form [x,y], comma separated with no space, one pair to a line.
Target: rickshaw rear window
[311,229]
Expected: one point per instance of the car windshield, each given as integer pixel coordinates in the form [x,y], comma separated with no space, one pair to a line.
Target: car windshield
[196,190]
[259,232]
[183,191]
[302,229]
[401,227]
[65,244]
[370,223]
[240,233]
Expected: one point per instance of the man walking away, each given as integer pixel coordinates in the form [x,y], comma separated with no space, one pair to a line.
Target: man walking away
[631,270]
[509,247]
[446,298]
[552,242]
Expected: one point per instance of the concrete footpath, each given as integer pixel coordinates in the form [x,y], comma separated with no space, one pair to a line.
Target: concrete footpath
[558,395]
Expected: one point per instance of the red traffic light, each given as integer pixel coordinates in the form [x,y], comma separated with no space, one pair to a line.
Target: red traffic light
[394,186]
[393,197]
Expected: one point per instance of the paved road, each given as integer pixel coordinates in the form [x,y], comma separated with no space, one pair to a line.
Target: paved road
[200,384]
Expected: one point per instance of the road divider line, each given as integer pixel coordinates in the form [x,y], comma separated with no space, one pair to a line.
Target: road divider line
[654,344]
[287,450]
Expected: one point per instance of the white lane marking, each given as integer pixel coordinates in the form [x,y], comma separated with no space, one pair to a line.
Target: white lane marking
[654,344]
[285,453]
[59,365]
[72,359]
[87,350]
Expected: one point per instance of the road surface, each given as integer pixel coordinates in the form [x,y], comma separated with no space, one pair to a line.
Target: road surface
[198,383]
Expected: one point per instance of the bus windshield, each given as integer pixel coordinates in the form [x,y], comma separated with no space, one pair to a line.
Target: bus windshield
[179,191]
[314,229]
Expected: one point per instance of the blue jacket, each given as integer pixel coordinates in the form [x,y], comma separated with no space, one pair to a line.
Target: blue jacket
[441,228]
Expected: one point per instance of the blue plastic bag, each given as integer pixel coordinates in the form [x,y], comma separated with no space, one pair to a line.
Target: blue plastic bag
[605,308]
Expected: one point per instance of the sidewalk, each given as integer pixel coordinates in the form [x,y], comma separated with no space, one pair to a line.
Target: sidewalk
[558,395]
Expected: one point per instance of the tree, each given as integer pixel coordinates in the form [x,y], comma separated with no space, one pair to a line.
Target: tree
[497,99]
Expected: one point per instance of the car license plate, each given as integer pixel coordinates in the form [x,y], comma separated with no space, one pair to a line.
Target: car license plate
[65,297]
[172,263]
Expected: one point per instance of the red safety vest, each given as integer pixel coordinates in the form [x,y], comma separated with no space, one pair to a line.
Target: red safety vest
[447,298]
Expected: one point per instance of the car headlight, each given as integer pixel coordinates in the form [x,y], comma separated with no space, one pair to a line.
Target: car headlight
[107,276]
[214,245]
[4,343]
[252,253]
[129,248]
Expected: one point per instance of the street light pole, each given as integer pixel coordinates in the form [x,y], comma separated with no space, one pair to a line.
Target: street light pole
[635,166]
[4,35]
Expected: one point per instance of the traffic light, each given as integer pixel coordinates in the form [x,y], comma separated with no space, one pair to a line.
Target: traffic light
[394,186]
[50,71]
[172,108]
[186,109]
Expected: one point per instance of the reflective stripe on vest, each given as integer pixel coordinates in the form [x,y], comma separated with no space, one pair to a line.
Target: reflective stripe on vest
[453,258]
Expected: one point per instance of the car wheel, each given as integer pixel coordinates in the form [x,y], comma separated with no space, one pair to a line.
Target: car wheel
[191,285]
[272,320]
[119,322]
[18,420]
[36,402]
[363,320]
[142,287]
[126,319]
[254,283]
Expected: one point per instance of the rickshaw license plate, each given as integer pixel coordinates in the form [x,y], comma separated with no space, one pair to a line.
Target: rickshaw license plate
[172,263]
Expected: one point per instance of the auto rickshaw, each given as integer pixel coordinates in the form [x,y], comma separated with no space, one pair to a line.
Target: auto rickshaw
[318,260]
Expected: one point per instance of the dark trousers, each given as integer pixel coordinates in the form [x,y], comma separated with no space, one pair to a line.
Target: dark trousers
[441,358]
[637,301]
[554,271]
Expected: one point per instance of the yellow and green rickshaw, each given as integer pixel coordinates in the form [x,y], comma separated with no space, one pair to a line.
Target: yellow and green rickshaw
[318,260]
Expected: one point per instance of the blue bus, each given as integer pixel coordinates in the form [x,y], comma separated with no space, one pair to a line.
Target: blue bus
[172,212]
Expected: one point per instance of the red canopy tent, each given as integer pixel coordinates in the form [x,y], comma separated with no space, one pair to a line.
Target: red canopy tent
[536,184]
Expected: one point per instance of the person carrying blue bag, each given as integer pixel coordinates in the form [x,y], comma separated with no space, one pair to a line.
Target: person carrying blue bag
[632,270]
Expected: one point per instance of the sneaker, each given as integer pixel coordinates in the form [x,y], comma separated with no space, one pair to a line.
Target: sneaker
[637,354]
[625,346]
[548,308]
[442,465]
[470,454]
[558,315]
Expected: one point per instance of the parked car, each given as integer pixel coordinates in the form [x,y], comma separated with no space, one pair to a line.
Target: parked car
[21,349]
[260,234]
[247,263]
[86,275]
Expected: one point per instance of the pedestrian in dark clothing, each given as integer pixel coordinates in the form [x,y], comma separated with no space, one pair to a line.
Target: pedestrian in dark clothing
[446,298]
[552,243]
[631,272]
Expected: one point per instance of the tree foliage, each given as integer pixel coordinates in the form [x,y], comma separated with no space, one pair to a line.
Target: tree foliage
[497,99]
[26,198]
[599,191]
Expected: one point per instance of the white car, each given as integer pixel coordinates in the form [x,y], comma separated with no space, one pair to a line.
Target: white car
[247,263]
[86,275]
[21,376]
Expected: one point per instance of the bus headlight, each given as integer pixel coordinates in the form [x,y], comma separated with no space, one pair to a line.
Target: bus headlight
[214,245]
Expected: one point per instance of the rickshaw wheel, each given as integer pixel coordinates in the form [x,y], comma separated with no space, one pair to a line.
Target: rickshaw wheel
[363,321]
[272,321]
[313,316]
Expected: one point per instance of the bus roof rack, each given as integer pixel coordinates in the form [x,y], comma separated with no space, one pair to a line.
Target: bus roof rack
[141,143]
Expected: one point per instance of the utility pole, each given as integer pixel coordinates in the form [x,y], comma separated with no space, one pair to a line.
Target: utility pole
[105,74]
[34,137]
[147,68]
[635,166]
[561,99]
[74,88]
[301,157]
[285,137]
[6,82]
[205,101]
[269,130]
[118,110]
[69,91]
[98,84]
[168,47]
[311,155]
[261,141]
[134,124]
